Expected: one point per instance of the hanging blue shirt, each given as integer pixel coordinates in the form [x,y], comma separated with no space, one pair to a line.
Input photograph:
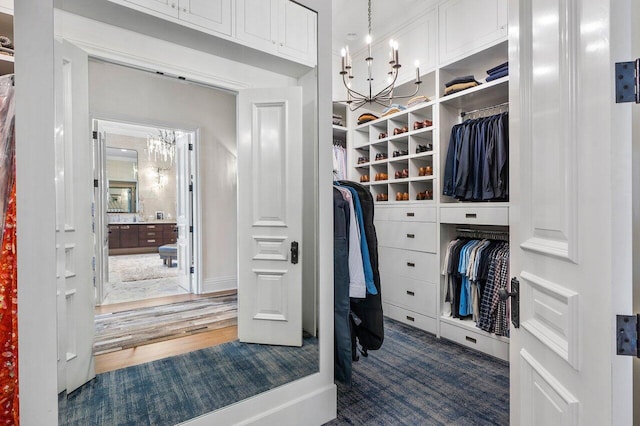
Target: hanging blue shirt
[364,247]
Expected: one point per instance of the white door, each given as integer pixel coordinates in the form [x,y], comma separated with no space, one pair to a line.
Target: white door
[570,212]
[270,216]
[101,191]
[211,14]
[74,186]
[184,210]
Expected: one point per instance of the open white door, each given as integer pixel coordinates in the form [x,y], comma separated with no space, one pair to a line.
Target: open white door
[270,216]
[75,245]
[101,192]
[570,212]
[183,209]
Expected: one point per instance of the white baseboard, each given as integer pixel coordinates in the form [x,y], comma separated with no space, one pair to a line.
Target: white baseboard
[210,285]
[316,407]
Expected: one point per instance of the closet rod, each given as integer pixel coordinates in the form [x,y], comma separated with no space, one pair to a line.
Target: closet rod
[483,233]
[465,113]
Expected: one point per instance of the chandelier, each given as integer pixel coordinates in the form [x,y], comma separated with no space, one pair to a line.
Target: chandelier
[385,96]
[163,147]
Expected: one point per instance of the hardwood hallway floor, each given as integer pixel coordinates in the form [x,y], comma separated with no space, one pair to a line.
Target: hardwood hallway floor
[146,353]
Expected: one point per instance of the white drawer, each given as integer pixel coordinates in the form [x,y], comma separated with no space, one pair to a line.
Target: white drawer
[417,296]
[475,338]
[406,214]
[408,263]
[479,215]
[420,236]
[411,318]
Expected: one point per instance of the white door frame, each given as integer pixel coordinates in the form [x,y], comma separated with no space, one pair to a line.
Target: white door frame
[196,285]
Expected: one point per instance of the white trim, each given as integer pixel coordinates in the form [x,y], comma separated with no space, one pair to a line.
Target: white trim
[299,409]
[211,285]
[134,49]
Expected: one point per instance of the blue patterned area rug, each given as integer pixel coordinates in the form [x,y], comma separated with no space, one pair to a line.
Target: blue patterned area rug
[175,389]
[416,379]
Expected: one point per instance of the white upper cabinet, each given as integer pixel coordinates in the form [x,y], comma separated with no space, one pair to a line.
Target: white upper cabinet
[297,32]
[280,27]
[470,25]
[166,7]
[210,14]
[257,23]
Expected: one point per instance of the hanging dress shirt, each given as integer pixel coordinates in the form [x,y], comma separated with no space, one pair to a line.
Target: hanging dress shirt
[357,285]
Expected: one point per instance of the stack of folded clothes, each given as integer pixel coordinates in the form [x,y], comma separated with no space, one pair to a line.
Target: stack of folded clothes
[392,109]
[338,120]
[460,83]
[498,72]
[366,117]
[416,100]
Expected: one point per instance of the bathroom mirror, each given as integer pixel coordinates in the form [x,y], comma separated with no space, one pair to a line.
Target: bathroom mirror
[145,71]
[122,175]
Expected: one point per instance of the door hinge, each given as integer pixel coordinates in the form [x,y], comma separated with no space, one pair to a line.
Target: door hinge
[94,135]
[191,228]
[190,147]
[95,183]
[190,187]
[627,330]
[628,81]
[192,270]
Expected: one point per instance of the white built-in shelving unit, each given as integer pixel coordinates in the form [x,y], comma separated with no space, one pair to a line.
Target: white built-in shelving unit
[413,233]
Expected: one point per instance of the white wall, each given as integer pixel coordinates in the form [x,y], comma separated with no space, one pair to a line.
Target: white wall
[145,98]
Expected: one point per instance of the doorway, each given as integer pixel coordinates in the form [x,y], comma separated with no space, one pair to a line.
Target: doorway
[144,205]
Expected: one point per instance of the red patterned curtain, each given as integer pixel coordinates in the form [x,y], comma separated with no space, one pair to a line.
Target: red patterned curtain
[9,408]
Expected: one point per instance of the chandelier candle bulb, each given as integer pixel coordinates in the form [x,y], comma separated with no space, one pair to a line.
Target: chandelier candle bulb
[384,97]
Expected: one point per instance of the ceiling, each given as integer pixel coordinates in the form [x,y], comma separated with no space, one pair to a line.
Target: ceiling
[350,16]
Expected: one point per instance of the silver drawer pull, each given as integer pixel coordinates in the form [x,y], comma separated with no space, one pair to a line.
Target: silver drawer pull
[411,264]
[151,241]
[470,339]
[151,226]
[411,235]
[471,215]
[410,318]
[411,214]
[410,293]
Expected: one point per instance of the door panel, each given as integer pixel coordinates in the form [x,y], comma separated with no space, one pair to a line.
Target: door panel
[75,236]
[569,216]
[270,216]
[297,32]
